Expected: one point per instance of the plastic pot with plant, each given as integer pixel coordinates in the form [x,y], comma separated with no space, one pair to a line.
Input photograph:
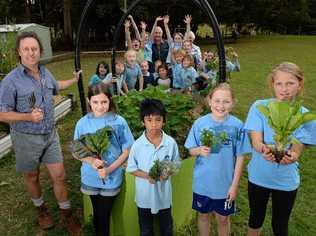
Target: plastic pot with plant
[213,140]
[284,118]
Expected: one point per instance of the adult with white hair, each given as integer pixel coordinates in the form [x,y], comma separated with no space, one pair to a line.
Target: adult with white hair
[189,35]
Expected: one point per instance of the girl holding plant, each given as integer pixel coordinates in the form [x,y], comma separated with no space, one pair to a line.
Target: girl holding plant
[101,178]
[269,175]
[218,169]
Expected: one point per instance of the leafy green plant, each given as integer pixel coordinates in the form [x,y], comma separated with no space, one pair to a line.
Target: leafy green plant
[164,169]
[210,139]
[284,118]
[179,112]
[92,144]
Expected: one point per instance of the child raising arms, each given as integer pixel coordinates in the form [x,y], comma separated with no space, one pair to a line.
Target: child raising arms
[109,168]
[152,198]
[217,173]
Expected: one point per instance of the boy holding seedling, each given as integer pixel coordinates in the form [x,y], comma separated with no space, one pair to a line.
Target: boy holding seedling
[152,197]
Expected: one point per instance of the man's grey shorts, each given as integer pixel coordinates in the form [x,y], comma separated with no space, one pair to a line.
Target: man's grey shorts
[33,149]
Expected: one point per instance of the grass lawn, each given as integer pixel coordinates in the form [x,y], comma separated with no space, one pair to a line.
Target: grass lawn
[257,57]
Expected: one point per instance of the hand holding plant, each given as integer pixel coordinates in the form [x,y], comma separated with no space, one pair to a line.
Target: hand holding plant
[93,145]
[161,170]
[284,118]
[211,140]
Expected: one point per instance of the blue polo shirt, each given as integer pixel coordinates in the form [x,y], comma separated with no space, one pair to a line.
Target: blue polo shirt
[213,175]
[121,139]
[131,74]
[15,91]
[156,196]
[269,174]
[188,77]
[176,74]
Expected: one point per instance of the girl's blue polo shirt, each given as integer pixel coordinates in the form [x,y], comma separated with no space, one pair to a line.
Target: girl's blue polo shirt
[142,155]
[123,139]
[213,175]
[269,174]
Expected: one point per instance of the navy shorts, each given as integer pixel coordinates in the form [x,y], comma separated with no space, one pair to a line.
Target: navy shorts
[205,204]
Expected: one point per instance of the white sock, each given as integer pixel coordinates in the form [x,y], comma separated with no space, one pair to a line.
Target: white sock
[37,202]
[64,205]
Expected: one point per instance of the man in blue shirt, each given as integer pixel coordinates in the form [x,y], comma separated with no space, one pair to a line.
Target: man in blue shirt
[26,103]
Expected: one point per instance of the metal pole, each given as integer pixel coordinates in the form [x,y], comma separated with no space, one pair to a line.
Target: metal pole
[77,56]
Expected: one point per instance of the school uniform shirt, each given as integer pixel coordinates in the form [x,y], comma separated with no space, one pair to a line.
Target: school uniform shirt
[232,65]
[176,74]
[119,82]
[188,77]
[131,75]
[148,51]
[213,175]
[269,174]
[196,52]
[172,46]
[95,79]
[120,139]
[164,82]
[156,196]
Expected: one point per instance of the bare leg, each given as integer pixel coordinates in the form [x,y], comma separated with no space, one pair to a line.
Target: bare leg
[204,224]
[223,225]
[57,174]
[32,183]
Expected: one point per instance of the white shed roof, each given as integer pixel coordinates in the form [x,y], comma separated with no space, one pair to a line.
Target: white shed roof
[17,27]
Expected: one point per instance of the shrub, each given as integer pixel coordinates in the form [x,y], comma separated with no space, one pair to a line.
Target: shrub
[180,115]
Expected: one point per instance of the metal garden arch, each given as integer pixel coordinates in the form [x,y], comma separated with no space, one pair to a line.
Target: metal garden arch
[202,4]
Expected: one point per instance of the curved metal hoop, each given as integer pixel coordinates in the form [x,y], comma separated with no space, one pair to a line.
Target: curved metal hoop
[202,4]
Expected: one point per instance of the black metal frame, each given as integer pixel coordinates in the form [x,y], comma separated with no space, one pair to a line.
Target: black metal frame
[202,4]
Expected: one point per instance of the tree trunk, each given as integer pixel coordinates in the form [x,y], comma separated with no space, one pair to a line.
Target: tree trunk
[68,43]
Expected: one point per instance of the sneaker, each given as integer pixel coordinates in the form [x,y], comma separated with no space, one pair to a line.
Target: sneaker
[69,222]
[45,220]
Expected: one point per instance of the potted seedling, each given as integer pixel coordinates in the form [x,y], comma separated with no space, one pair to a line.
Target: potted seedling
[284,118]
[92,145]
[210,139]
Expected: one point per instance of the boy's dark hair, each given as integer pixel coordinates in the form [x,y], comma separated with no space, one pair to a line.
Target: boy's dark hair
[152,107]
[163,66]
[96,89]
[106,66]
[27,34]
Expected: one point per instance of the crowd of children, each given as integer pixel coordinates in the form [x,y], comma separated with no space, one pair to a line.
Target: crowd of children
[175,62]
[216,172]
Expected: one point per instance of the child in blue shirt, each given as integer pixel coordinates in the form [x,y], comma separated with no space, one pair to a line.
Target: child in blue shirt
[117,85]
[187,73]
[265,176]
[133,72]
[217,173]
[176,67]
[109,168]
[152,198]
[101,71]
